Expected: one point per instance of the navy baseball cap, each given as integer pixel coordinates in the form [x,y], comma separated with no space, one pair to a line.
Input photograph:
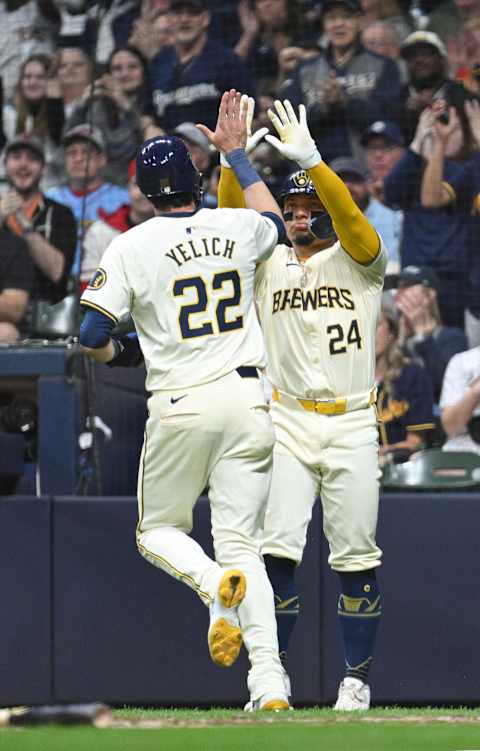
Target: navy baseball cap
[385,128]
[196,5]
[345,165]
[352,5]
[411,275]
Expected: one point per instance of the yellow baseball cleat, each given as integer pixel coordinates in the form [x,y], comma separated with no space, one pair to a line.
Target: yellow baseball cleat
[224,635]
[232,588]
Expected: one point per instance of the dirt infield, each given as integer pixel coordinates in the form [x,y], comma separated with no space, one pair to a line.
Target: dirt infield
[289,718]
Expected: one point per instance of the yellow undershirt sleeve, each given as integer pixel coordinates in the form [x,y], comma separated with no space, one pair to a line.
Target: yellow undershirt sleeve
[230,193]
[353,229]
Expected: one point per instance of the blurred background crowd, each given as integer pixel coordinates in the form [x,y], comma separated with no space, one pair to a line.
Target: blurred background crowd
[392,90]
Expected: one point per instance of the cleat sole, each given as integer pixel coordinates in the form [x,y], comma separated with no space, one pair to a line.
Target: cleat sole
[224,643]
[232,588]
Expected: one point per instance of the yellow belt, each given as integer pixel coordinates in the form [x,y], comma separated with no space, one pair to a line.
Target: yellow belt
[336,406]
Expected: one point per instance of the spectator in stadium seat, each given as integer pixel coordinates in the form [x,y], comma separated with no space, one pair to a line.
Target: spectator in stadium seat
[25,30]
[383,146]
[386,221]
[422,333]
[75,71]
[151,30]
[435,238]
[189,78]
[37,108]
[379,37]
[16,280]
[268,26]
[345,87]
[391,13]
[458,193]
[86,190]
[460,402]
[115,103]
[109,225]
[427,64]
[48,228]
[405,399]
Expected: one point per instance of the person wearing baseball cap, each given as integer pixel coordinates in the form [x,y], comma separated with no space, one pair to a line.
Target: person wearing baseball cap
[346,86]
[426,60]
[386,221]
[383,145]
[86,190]
[48,228]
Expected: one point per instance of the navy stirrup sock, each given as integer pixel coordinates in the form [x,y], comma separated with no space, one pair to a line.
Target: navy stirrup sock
[281,572]
[359,610]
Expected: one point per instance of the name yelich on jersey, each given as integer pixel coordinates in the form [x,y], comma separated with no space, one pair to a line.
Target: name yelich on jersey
[205,246]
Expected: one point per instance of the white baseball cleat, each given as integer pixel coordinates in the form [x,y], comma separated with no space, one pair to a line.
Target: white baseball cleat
[224,634]
[353,695]
[250,706]
[271,702]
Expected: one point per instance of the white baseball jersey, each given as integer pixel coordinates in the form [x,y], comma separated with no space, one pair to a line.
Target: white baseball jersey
[319,319]
[188,282]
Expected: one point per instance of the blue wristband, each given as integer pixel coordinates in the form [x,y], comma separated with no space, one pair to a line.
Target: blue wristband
[244,171]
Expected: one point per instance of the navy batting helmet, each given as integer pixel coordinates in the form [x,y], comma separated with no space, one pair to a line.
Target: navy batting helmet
[299,183]
[165,169]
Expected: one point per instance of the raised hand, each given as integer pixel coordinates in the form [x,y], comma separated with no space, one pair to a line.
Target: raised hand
[231,128]
[295,142]
[253,139]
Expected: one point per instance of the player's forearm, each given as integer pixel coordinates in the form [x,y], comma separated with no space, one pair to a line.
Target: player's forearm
[230,193]
[433,192]
[455,417]
[353,229]
[101,354]
[13,304]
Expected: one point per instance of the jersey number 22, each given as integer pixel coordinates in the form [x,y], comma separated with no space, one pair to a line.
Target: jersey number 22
[207,328]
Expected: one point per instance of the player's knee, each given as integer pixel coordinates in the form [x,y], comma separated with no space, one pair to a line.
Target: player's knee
[360,594]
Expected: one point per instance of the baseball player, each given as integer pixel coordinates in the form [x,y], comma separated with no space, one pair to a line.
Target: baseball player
[318,299]
[187,278]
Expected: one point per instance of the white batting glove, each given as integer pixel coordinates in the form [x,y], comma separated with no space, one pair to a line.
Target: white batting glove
[295,141]
[252,139]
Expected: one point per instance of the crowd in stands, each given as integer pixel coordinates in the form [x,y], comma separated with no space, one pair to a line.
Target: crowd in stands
[392,90]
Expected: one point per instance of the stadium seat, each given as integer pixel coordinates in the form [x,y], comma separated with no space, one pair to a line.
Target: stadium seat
[434,469]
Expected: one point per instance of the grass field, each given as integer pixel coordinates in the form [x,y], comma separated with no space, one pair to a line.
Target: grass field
[230,730]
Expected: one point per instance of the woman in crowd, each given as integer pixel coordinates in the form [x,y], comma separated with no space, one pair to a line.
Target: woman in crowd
[37,109]
[405,398]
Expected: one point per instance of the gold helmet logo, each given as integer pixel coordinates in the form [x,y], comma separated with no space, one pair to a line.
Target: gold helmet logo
[301,179]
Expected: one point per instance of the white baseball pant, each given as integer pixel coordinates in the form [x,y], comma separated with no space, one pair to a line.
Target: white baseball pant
[335,456]
[219,434]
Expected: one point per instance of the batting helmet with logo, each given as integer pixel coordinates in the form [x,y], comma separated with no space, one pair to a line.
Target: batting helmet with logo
[165,169]
[299,183]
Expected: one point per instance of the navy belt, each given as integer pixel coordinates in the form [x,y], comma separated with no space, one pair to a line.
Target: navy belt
[247,371]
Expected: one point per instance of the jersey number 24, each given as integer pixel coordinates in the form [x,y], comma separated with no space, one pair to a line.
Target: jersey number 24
[223,279]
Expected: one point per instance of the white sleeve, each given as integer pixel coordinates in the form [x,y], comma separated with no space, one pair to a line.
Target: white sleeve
[375,270]
[108,290]
[266,235]
[453,387]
